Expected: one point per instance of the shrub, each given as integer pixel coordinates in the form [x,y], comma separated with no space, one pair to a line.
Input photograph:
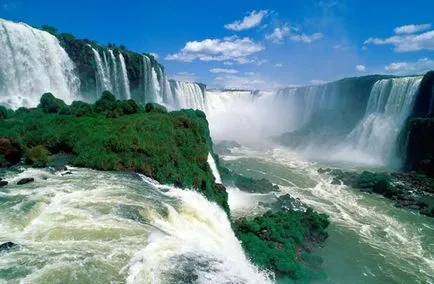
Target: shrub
[38,156]
[50,104]
[153,107]
[3,112]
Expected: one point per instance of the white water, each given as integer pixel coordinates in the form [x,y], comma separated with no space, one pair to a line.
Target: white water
[124,78]
[188,95]
[115,228]
[103,74]
[374,138]
[215,171]
[378,243]
[32,62]
[114,72]
[156,87]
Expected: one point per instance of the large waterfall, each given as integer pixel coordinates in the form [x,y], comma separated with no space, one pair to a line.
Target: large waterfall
[111,74]
[390,103]
[189,95]
[32,62]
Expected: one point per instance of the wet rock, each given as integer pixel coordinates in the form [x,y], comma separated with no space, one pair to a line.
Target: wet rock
[220,187]
[25,181]
[3,183]
[66,173]
[7,246]
[10,152]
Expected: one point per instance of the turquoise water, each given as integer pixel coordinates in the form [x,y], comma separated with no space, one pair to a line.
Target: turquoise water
[370,241]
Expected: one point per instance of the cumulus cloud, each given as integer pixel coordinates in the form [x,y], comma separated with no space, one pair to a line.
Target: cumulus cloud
[361,68]
[411,29]
[9,6]
[407,39]
[306,38]
[228,63]
[253,19]
[251,81]
[278,34]
[184,76]
[226,49]
[223,70]
[317,82]
[156,55]
[416,67]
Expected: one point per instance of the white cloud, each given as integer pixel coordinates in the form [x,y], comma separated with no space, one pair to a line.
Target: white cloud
[361,68]
[223,70]
[250,81]
[278,65]
[249,73]
[9,6]
[417,67]
[306,38]
[278,34]
[406,39]
[228,63]
[253,19]
[317,82]
[229,48]
[156,55]
[184,76]
[411,29]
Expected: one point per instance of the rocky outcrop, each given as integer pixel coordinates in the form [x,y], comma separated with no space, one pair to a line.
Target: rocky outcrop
[25,181]
[7,246]
[407,190]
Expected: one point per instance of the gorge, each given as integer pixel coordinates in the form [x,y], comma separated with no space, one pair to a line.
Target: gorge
[121,216]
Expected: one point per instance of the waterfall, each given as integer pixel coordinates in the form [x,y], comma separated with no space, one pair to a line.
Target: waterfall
[212,164]
[114,73]
[157,98]
[124,78]
[189,95]
[32,62]
[390,103]
[103,74]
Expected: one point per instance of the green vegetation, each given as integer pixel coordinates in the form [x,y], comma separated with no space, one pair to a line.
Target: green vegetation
[280,241]
[379,183]
[171,148]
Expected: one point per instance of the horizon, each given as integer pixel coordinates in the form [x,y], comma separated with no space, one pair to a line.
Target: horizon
[253,46]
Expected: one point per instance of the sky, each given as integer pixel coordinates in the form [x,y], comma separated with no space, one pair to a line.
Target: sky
[252,44]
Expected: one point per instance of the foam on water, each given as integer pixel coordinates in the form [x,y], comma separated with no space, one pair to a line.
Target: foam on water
[115,227]
[391,232]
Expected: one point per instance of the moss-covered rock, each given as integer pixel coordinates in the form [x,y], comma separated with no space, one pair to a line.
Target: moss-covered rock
[277,241]
[171,148]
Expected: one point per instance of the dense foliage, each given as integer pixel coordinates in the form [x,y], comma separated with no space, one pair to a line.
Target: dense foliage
[278,241]
[171,147]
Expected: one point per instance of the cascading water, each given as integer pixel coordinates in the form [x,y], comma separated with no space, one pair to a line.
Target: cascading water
[188,95]
[374,138]
[32,63]
[115,228]
[212,164]
[124,78]
[103,74]
[157,98]
[114,72]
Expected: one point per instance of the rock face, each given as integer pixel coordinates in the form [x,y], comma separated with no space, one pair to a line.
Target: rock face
[408,190]
[25,181]
[10,152]
[7,246]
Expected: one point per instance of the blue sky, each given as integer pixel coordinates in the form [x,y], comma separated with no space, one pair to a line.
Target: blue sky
[252,44]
